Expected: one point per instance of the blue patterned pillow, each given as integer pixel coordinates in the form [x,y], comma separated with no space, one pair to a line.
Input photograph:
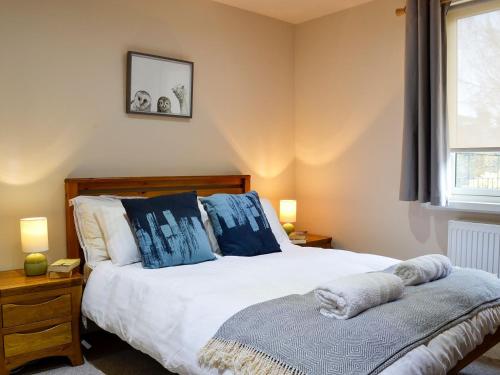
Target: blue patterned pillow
[240,224]
[169,230]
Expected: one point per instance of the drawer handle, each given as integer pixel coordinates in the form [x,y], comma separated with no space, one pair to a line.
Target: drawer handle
[37,330]
[57,299]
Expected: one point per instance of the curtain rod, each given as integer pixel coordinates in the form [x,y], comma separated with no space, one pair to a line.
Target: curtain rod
[402,11]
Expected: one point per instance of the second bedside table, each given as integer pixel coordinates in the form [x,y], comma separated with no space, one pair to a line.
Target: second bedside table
[40,317]
[316,240]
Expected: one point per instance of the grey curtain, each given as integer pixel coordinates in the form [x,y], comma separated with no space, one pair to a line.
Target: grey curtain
[423,176]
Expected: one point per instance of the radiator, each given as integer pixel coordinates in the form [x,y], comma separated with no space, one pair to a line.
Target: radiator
[474,245]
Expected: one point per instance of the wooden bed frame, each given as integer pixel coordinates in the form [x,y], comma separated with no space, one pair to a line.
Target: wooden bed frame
[204,185]
[146,187]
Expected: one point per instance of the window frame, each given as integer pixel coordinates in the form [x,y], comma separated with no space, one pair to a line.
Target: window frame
[463,195]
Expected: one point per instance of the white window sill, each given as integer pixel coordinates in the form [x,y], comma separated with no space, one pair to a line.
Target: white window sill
[476,207]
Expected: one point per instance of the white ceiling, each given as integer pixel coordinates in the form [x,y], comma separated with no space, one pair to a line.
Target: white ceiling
[293,11]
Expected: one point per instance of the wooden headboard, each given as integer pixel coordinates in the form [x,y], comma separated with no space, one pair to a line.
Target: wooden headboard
[143,186]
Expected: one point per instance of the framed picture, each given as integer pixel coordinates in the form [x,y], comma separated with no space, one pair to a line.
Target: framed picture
[159,85]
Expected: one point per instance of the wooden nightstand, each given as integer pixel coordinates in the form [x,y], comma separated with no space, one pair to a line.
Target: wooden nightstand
[316,240]
[40,317]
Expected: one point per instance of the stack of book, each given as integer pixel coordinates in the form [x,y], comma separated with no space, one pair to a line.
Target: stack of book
[298,237]
[63,268]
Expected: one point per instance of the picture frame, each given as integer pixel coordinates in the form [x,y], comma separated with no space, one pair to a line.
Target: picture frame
[158,85]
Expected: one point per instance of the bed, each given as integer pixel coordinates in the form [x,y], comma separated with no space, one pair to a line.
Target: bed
[170,313]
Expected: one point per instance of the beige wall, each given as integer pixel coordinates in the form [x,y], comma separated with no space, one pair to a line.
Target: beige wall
[62,82]
[62,79]
[349,110]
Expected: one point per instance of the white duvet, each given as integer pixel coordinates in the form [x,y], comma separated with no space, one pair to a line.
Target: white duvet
[171,313]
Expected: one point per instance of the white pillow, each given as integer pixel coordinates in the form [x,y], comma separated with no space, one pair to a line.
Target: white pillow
[274,222]
[120,242]
[87,228]
[209,229]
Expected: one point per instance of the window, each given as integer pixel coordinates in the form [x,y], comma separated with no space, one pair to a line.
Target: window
[474,102]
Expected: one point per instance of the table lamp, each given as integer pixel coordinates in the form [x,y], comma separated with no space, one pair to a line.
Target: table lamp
[34,241]
[288,214]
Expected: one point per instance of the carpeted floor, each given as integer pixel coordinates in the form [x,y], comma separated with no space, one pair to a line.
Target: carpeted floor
[111,356]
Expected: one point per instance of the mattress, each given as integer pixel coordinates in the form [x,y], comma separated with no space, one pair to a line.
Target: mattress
[171,313]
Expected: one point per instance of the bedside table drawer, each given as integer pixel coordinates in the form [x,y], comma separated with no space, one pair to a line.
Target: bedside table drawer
[18,314]
[21,343]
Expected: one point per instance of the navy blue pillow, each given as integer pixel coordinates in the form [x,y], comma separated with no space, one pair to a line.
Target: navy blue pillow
[169,230]
[240,224]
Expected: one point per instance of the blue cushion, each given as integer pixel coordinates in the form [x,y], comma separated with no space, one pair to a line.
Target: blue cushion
[240,224]
[169,230]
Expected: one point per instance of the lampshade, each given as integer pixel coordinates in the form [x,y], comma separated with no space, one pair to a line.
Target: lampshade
[288,211]
[34,234]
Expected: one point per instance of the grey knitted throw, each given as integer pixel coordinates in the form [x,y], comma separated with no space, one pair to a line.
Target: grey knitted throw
[288,335]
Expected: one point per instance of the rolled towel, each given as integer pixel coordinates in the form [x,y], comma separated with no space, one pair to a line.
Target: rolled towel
[423,269]
[346,297]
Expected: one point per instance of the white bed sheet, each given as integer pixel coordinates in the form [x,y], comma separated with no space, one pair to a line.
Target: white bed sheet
[171,313]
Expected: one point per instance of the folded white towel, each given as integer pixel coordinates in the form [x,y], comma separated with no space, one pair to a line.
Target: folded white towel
[346,297]
[423,269]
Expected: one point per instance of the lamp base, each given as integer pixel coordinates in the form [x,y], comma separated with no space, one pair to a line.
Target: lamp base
[35,264]
[289,228]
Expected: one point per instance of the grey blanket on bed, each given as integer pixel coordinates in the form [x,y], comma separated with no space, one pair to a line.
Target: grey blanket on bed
[288,335]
